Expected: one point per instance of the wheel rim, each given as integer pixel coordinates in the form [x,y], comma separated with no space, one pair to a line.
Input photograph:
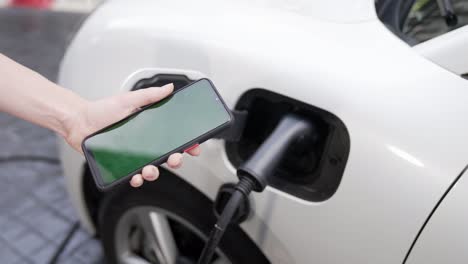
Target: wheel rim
[145,234]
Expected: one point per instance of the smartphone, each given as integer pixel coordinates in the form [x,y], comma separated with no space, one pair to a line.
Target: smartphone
[189,116]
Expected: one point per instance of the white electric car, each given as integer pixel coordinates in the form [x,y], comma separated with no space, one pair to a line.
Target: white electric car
[383,81]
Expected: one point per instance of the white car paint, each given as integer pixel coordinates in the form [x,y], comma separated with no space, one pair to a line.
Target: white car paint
[444,238]
[449,50]
[406,116]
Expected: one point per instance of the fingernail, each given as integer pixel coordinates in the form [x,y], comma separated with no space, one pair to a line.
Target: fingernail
[168,86]
[136,182]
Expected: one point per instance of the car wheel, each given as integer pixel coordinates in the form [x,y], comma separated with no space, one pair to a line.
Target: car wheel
[166,221]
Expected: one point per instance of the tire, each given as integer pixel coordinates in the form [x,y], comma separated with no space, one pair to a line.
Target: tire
[179,201]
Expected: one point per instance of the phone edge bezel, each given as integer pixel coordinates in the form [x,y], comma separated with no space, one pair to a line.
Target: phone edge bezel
[199,140]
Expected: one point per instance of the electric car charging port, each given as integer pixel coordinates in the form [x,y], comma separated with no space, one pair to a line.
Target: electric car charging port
[311,172]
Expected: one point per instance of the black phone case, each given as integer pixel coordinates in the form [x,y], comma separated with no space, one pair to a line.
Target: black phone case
[210,134]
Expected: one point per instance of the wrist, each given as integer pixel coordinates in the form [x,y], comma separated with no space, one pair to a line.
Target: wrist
[72,116]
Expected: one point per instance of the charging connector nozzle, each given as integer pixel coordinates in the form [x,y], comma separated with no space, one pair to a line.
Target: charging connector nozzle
[291,129]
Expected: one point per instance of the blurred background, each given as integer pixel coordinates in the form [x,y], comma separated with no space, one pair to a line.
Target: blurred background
[35,212]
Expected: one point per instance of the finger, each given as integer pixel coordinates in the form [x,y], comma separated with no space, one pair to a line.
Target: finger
[175,160]
[135,99]
[195,151]
[136,181]
[150,173]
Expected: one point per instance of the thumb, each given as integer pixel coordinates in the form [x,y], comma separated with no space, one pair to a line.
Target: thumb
[142,97]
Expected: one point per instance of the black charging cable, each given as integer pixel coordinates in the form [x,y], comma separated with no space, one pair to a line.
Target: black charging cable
[254,173]
[242,191]
[58,252]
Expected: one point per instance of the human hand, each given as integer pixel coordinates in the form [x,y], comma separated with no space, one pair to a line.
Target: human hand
[95,115]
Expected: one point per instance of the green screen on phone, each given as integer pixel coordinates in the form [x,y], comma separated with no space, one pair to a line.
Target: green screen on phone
[157,131]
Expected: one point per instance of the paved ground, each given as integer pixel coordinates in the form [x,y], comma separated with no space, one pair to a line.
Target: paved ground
[35,213]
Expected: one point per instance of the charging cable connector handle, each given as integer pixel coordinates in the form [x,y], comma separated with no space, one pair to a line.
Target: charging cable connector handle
[291,129]
[254,173]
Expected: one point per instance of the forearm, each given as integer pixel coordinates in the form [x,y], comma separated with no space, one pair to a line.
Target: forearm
[28,95]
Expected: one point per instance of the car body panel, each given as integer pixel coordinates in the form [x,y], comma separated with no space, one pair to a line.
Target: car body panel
[348,11]
[449,50]
[405,115]
[444,238]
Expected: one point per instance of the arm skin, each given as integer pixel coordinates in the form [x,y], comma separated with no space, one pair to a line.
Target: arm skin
[29,96]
